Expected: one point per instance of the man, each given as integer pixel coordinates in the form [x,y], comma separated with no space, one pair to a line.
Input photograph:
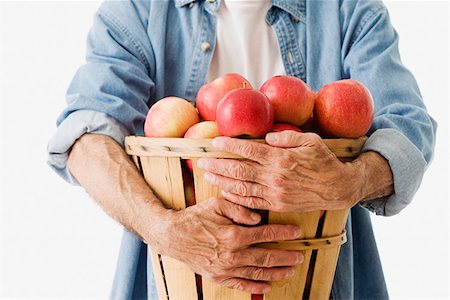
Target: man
[141,51]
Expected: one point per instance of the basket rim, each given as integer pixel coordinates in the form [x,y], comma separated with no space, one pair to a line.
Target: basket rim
[191,148]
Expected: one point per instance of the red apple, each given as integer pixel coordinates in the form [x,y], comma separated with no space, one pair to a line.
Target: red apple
[344,109]
[170,117]
[210,94]
[277,127]
[244,112]
[291,98]
[188,184]
[202,130]
[309,125]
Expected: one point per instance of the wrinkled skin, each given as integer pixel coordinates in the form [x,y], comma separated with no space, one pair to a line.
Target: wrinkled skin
[213,245]
[292,172]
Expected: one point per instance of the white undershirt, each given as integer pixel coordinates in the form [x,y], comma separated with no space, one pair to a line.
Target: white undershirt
[245,43]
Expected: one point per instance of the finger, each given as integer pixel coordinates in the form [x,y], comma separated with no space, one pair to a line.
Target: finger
[236,213]
[246,285]
[291,139]
[264,274]
[268,233]
[250,202]
[267,258]
[252,150]
[232,168]
[235,186]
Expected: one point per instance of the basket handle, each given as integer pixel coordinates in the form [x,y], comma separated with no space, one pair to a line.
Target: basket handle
[307,244]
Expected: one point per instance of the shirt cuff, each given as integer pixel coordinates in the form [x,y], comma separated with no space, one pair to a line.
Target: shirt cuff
[73,127]
[407,164]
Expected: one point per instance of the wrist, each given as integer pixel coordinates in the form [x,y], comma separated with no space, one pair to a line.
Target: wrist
[375,176]
[155,227]
[358,169]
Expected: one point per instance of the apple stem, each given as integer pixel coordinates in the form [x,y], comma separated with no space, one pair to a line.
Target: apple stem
[244,84]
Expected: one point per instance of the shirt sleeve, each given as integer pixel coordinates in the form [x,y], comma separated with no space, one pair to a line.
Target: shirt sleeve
[402,130]
[73,127]
[109,94]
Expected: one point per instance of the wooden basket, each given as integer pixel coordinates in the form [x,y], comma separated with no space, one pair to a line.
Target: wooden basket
[159,160]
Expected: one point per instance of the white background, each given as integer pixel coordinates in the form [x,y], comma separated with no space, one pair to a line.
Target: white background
[55,242]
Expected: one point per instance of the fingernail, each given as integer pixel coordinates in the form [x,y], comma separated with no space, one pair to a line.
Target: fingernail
[255,216]
[290,274]
[218,142]
[272,136]
[297,233]
[299,258]
[208,177]
[201,163]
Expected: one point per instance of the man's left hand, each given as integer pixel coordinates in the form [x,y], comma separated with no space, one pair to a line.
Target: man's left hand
[292,172]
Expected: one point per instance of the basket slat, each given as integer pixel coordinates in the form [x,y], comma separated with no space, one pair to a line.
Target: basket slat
[164,175]
[158,274]
[290,289]
[212,291]
[203,190]
[180,280]
[153,256]
[327,258]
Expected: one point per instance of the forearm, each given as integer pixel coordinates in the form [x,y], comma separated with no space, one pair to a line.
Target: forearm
[377,180]
[102,167]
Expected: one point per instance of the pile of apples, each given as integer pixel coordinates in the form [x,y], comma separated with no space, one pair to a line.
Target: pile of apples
[229,106]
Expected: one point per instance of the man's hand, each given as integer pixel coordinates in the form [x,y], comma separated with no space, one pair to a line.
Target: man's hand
[294,172]
[207,237]
[204,236]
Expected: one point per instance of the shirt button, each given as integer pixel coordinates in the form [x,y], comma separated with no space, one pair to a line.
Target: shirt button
[205,46]
[191,5]
[295,20]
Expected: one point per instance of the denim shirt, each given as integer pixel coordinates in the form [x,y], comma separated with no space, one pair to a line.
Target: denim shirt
[141,51]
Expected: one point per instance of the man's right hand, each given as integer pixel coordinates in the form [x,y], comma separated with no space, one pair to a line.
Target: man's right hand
[208,238]
[205,236]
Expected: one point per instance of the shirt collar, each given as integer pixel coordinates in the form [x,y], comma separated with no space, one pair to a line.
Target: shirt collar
[297,8]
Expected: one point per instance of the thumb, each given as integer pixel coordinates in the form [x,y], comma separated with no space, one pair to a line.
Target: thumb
[237,213]
[290,139]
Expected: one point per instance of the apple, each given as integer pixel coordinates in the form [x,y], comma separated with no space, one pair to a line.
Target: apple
[188,184]
[202,130]
[170,117]
[291,98]
[344,109]
[277,127]
[309,125]
[210,94]
[245,113]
